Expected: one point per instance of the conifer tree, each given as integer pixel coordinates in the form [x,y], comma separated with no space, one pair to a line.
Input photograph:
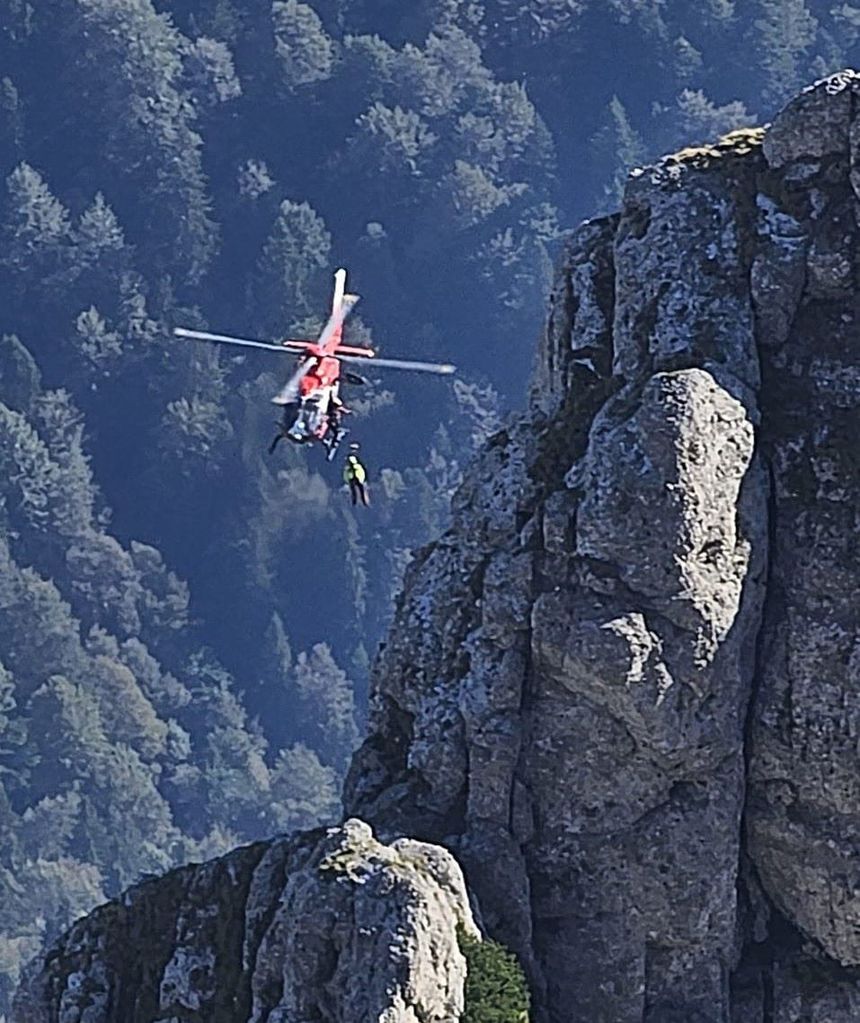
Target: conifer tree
[397,139]
[328,704]
[304,791]
[36,225]
[12,729]
[253,179]
[97,341]
[11,118]
[294,260]
[98,234]
[786,31]
[495,989]
[305,53]
[28,476]
[209,73]
[618,148]
[700,120]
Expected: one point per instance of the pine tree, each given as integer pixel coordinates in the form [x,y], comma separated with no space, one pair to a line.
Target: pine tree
[47,826]
[7,699]
[36,225]
[28,475]
[224,20]
[700,120]
[12,728]
[398,139]
[96,340]
[253,179]
[328,704]
[209,73]
[525,134]
[127,714]
[618,148]
[495,989]
[52,646]
[305,53]
[455,52]
[146,119]
[304,792]
[98,230]
[11,119]
[688,60]
[475,194]
[127,825]
[786,30]
[294,260]
[60,424]
[194,433]
[236,776]
[719,11]
[65,721]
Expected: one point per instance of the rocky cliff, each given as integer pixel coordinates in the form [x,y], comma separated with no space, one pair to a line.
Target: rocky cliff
[324,926]
[623,688]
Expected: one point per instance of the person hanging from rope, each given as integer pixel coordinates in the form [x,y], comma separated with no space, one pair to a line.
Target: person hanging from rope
[355,475]
[284,426]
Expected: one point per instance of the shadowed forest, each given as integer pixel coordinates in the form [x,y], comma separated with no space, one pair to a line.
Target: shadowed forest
[187,623]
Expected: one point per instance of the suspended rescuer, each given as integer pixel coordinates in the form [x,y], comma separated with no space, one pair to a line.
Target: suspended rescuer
[283,426]
[355,475]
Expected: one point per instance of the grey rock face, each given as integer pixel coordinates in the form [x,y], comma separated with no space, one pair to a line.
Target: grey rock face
[805,784]
[329,926]
[639,640]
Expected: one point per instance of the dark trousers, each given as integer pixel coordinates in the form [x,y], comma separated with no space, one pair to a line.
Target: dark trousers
[278,438]
[358,491]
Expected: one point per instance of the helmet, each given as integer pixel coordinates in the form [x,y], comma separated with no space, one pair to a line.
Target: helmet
[354,447]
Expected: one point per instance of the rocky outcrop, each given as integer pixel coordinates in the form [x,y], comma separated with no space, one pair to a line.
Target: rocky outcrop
[622,687]
[328,926]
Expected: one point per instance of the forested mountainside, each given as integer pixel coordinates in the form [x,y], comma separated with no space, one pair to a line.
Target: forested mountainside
[620,688]
[186,624]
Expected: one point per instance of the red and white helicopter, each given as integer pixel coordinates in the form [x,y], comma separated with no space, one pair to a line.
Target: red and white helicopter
[313,410]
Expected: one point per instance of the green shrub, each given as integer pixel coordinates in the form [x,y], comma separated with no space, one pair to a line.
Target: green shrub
[496,988]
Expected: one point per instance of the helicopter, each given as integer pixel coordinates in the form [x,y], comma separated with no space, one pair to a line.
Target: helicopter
[313,410]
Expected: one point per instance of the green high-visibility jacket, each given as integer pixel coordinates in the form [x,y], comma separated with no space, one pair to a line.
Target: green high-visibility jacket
[354,471]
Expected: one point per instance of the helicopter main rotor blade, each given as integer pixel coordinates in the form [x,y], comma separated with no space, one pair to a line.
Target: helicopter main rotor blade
[442,368]
[290,391]
[225,339]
